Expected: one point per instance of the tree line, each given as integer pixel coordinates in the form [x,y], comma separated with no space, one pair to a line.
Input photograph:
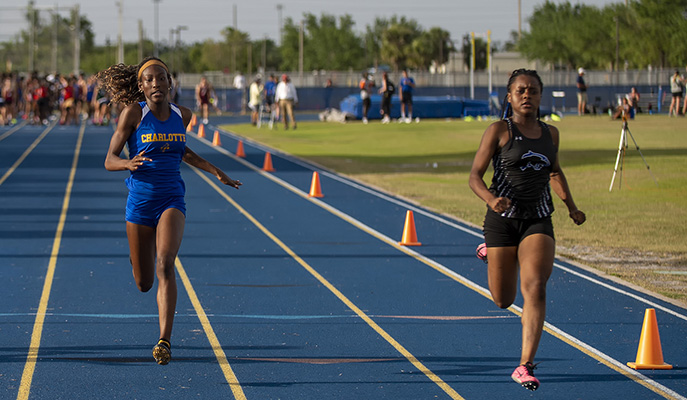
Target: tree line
[630,34]
[633,34]
[315,43]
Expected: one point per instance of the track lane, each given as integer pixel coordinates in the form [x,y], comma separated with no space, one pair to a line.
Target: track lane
[342,254]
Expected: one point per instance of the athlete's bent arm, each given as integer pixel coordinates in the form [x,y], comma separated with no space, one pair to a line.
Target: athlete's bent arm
[491,141]
[559,184]
[128,122]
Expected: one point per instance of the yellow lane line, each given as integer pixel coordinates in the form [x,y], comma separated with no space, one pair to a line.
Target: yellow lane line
[12,130]
[409,356]
[31,358]
[210,333]
[26,153]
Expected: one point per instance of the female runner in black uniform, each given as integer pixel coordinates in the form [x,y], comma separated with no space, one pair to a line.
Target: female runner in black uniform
[517,228]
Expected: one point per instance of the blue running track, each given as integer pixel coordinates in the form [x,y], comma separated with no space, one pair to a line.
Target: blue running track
[282,296]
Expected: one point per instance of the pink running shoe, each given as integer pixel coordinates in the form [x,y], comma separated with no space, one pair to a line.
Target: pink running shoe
[524,375]
[482,252]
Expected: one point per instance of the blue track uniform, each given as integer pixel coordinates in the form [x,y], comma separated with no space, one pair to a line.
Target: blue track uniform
[156,185]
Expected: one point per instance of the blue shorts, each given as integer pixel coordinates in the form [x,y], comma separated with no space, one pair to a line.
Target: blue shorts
[143,210]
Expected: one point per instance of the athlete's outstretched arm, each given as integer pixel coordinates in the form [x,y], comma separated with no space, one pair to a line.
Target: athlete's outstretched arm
[197,161]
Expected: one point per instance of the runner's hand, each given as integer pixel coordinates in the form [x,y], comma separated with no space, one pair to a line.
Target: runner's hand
[499,204]
[228,181]
[578,216]
[137,161]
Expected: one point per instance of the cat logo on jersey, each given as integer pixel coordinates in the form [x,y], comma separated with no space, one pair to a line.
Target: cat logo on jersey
[535,161]
[165,147]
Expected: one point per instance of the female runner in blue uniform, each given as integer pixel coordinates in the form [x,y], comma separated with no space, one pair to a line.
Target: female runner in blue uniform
[517,228]
[155,133]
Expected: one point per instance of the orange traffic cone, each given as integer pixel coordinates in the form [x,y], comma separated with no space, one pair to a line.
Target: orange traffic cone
[267,166]
[201,131]
[216,140]
[239,150]
[649,353]
[191,124]
[409,235]
[315,190]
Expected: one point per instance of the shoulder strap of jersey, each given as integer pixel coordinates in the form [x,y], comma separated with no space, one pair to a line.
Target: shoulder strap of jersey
[144,109]
[176,109]
[509,122]
[545,130]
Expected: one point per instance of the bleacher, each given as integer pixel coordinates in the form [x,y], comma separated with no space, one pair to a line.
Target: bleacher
[646,99]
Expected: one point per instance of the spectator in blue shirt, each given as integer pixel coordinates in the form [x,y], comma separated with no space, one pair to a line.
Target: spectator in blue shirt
[406,96]
[269,89]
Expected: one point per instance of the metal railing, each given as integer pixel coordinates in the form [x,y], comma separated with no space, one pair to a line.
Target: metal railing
[551,79]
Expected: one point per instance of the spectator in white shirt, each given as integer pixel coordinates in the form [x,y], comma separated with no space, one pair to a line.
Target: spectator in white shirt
[240,84]
[286,97]
[239,81]
[255,99]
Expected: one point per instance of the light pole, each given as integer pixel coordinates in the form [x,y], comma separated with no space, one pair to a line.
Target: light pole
[519,20]
[177,30]
[156,51]
[300,52]
[77,40]
[280,7]
[120,43]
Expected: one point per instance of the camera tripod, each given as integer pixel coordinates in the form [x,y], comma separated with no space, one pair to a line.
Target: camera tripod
[620,159]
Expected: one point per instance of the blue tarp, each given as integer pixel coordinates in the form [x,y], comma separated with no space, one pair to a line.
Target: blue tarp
[423,107]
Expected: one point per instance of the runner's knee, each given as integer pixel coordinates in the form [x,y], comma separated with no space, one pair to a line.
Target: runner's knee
[534,289]
[502,301]
[165,267]
[144,285]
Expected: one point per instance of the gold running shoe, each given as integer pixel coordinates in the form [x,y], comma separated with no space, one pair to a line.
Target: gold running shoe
[162,352]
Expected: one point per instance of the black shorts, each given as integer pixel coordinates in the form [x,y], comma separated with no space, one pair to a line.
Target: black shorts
[407,98]
[507,232]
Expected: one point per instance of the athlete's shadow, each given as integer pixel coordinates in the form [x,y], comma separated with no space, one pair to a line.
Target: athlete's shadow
[103,354]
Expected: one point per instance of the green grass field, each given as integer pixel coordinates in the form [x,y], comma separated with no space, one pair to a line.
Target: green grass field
[636,231]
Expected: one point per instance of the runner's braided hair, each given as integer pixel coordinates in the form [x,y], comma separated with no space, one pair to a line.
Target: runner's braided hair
[507,109]
[121,82]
